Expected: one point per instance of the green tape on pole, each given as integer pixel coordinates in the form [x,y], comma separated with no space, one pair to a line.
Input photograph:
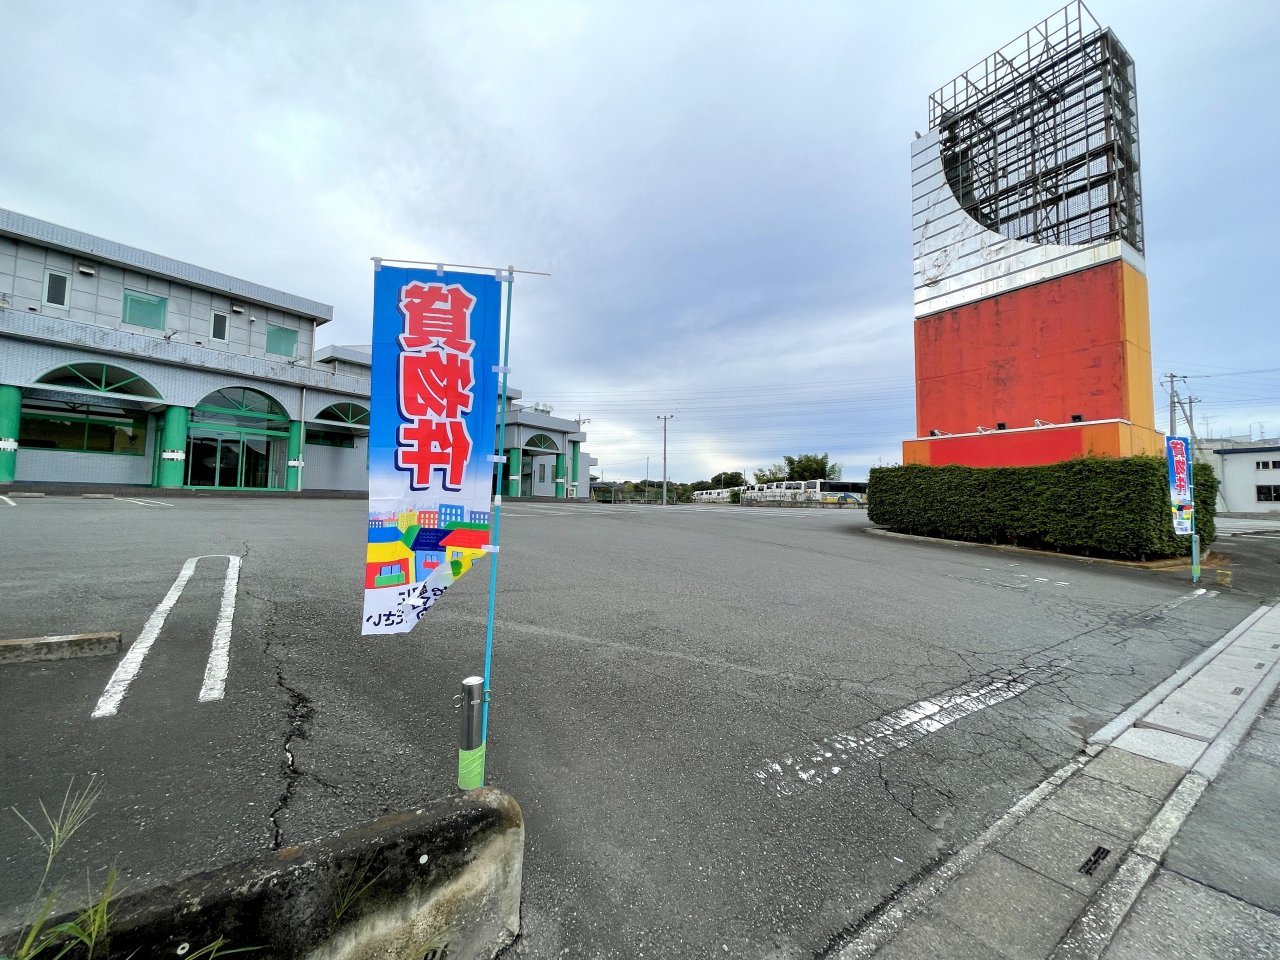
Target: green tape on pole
[471,768]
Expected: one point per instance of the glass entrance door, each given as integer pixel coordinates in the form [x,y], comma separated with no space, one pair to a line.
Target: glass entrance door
[240,462]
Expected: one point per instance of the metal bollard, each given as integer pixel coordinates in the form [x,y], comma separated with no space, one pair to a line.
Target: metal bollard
[470,744]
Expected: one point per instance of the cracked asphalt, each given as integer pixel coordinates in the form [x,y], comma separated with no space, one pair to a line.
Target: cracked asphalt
[648,662]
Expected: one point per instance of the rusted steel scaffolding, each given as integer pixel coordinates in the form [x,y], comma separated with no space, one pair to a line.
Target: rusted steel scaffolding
[1040,139]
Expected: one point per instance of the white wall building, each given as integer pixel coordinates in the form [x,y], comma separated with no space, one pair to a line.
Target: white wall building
[1248,474]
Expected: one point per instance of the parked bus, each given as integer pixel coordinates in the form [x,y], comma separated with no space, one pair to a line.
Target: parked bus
[836,492]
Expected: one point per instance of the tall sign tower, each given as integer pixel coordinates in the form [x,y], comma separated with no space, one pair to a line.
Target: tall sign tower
[1032,334]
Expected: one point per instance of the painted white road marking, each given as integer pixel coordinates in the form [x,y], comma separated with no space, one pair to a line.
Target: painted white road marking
[145,503]
[131,663]
[8,501]
[1199,592]
[840,751]
[215,672]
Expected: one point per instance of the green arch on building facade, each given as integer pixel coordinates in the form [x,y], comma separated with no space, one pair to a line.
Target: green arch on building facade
[100,378]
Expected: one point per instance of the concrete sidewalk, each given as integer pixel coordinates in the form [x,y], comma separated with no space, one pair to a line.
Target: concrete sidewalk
[1158,841]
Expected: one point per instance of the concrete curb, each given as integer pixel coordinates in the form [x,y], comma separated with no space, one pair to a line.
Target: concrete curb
[1173,563]
[65,647]
[441,880]
[881,927]
[1094,930]
[1102,806]
[1143,706]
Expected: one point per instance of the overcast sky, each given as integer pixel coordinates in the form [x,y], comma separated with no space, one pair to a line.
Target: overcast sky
[720,191]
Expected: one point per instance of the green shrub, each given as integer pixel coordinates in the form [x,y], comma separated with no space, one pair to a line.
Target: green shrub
[1094,506]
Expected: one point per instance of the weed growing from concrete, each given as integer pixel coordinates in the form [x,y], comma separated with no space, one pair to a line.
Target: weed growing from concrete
[89,928]
[87,932]
[76,810]
[353,886]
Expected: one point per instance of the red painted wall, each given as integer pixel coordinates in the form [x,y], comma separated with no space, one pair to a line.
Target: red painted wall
[1007,449]
[1041,352]
[1022,448]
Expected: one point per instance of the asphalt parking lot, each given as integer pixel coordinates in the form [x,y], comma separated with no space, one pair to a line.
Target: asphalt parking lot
[663,680]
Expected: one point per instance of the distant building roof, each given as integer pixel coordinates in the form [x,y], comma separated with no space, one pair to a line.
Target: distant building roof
[351,354]
[1247,449]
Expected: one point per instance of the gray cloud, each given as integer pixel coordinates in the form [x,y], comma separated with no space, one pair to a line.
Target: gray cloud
[720,190]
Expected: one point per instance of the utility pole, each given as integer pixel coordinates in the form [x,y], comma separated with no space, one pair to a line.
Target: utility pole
[1173,404]
[646,479]
[1191,425]
[664,454]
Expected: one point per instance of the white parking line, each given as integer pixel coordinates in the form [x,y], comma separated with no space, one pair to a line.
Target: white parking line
[215,670]
[8,501]
[145,503]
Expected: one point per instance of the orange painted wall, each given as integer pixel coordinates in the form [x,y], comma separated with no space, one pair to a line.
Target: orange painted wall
[1025,448]
[1076,344]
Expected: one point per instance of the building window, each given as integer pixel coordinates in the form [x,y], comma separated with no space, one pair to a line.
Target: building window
[218,326]
[1262,465]
[542,473]
[282,341]
[1269,493]
[145,310]
[81,427]
[57,288]
[330,438]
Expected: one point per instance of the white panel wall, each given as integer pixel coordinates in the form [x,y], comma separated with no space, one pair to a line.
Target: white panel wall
[336,468]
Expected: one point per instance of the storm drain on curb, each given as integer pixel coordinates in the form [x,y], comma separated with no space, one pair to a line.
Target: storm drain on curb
[1095,860]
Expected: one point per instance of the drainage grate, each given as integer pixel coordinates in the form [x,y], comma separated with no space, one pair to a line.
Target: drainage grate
[1095,860]
[437,953]
[1237,691]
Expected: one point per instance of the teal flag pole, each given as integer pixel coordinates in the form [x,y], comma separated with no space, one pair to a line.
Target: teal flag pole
[1195,537]
[495,540]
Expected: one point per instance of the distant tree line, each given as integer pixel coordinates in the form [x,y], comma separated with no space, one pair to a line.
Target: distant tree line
[806,466]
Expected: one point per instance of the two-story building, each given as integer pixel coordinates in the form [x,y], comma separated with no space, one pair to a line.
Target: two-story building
[121,367]
[1248,473]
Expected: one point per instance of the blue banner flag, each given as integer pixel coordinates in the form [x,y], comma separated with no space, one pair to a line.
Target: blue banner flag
[431,437]
[1181,483]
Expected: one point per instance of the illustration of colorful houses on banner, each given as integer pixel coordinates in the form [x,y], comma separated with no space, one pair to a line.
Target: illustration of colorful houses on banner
[402,553]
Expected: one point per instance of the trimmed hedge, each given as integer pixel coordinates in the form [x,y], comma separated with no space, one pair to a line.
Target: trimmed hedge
[1094,506]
